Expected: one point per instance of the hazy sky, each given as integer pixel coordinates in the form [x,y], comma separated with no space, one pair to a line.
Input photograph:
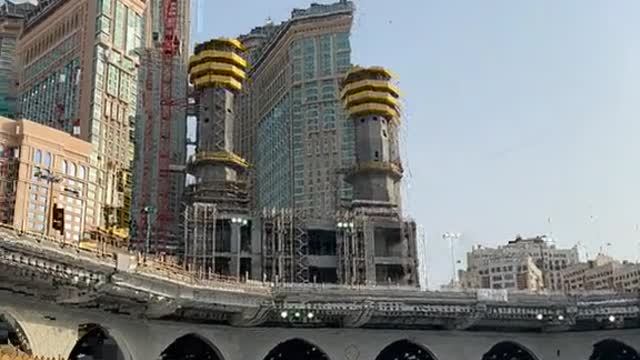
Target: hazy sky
[516,112]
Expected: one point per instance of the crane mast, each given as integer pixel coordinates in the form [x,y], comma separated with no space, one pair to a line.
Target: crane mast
[170,48]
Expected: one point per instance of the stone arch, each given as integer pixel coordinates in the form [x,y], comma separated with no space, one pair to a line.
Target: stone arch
[14,334]
[296,349]
[98,342]
[611,349]
[509,350]
[191,346]
[402,349]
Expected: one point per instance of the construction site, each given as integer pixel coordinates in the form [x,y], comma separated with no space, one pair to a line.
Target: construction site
[221,223]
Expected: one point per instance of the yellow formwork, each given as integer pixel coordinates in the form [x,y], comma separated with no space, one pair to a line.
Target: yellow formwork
[215,44]
[374,85]
[371,96]
[373,109]
[217,68]
[225,157]
[227,57]
[358,71]
[217,80]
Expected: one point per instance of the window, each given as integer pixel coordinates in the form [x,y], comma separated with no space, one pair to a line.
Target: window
[81,172]
[47,159]
[64,166]
[72,169]
[37,157]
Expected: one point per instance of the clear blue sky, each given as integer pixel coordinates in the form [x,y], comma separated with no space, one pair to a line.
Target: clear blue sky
[516,111]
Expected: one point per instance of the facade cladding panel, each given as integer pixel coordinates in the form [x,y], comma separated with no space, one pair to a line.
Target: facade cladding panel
[314,49]
[274,157]
[79,74]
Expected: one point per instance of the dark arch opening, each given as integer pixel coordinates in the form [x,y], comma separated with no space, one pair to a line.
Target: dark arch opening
[295,349]
[405,349]
[613,350]
[191,346]
[95,343]
[508,350]
[12,335]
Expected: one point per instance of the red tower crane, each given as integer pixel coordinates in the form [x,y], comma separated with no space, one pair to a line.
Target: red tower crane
[170,47]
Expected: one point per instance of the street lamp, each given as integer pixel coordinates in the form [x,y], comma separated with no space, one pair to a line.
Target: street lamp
[50,179]
[345,225]
[148,210]
[452,237]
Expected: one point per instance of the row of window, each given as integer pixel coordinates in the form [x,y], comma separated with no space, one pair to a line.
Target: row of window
[62,29]
[45,159]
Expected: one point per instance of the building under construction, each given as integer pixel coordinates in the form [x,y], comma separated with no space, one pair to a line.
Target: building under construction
[321,141]
[217,213]
[160,129]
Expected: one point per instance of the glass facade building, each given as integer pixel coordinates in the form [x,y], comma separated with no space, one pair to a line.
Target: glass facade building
[302,138]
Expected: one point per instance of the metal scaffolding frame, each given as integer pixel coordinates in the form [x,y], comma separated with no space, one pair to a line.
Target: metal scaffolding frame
[200,220]
[351,248]
[285,246]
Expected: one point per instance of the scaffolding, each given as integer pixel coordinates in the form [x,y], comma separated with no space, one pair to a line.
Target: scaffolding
[285,247]
[351,249]
[200,224]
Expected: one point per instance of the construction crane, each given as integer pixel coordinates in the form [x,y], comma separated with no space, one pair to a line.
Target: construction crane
[169,48]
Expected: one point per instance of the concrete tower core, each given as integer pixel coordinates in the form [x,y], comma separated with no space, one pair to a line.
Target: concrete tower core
[216,224]
[217,71]
[371,101]
[375,245]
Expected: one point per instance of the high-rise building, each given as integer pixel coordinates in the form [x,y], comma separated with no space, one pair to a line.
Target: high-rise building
[79,74]
[11,20]
[218,200]
[374,243]
[160,144]
[44,178]
[291,124]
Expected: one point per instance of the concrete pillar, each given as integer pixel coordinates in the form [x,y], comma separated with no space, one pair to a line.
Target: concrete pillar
[256,249]
[369,236]
[234,264]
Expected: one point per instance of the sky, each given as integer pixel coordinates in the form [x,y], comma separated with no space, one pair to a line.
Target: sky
[520,117]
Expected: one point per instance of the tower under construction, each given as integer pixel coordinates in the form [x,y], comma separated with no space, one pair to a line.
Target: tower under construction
[374,243]
[160,129]
[217,216]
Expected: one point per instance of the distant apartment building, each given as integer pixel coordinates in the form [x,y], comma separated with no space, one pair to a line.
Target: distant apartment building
[602,273]
[79,73]
[518,273]
[547,258]
[42,169]
[11,20]
[291,122]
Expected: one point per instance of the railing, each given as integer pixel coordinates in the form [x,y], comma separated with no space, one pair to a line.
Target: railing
[159,267]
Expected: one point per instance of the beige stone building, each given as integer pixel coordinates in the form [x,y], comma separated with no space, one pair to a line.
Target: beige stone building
[42,168]
[549,259]
[506,273]
[78,65]
[602,273]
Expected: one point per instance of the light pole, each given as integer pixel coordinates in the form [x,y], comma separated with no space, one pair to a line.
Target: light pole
[241,223]
[452,237]
[50,179]
[148,210]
